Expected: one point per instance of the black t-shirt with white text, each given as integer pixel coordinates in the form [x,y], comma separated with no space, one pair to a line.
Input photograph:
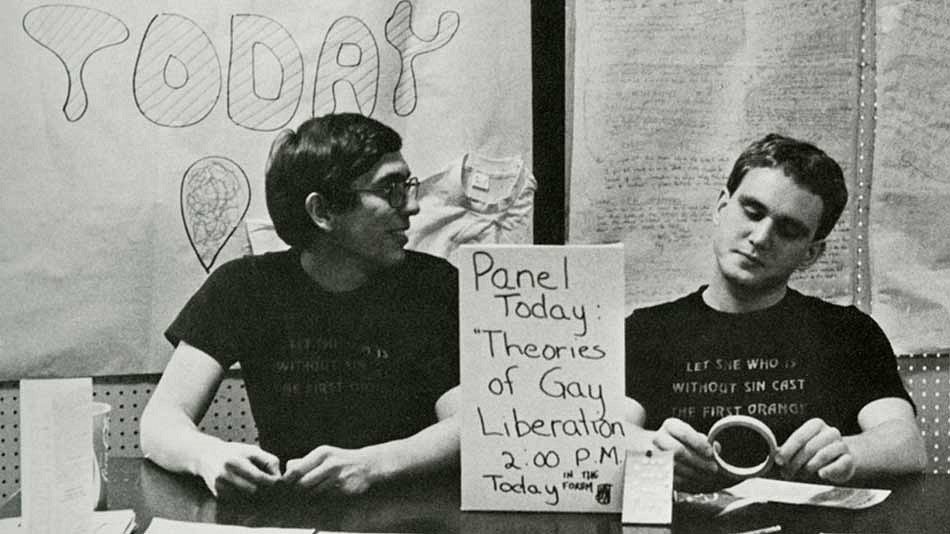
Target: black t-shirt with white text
[346,369]
[799,359]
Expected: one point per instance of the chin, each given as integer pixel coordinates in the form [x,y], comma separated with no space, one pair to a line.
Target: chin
[754,283]
[740,277]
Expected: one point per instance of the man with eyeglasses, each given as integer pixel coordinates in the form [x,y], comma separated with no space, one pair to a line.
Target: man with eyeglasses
[348,344]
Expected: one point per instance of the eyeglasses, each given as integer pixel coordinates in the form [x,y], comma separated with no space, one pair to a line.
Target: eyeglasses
[396,193]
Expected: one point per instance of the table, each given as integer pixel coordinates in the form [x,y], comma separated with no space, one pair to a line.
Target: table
[919,505]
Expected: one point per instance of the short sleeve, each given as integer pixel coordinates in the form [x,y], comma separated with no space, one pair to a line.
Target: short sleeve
[443,370]
[219,317]
[875,375]
[645,367]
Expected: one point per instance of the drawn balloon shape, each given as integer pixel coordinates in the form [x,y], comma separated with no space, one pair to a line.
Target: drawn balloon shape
[215,196]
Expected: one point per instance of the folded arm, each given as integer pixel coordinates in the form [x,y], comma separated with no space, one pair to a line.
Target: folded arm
[170,436]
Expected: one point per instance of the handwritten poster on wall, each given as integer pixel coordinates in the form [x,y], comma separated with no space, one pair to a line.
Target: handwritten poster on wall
[910,247]
[666,94]
[542,370]
[137,135]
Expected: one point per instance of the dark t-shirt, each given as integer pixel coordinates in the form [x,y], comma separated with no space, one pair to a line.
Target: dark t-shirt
[799,359]
[345,369]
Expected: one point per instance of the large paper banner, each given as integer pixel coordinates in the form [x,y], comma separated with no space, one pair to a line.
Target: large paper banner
[137,135]
[666,95]
[910,195]
[542,369]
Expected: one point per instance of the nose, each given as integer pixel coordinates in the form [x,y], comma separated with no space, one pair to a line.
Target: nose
[412,204]
[761,233]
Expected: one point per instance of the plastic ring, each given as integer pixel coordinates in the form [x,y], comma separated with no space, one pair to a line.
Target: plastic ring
[751,423]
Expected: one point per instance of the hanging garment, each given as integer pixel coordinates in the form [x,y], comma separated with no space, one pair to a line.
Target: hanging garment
[476,199]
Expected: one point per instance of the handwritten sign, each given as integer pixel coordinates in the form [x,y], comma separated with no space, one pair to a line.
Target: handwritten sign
[542,372]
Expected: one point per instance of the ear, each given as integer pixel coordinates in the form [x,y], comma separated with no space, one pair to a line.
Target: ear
[812,253]
[318,211]
[720,204]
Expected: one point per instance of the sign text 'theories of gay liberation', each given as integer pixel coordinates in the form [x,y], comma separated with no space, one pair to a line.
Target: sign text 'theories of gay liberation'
[542,372]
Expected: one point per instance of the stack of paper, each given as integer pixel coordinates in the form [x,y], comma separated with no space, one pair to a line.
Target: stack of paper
[168,526]
[107,522]
[814,494]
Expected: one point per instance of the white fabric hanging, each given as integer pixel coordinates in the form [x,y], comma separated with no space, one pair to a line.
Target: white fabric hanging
[475,199]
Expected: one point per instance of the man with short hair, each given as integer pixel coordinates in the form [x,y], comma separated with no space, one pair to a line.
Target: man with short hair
[348,344]
[822,377]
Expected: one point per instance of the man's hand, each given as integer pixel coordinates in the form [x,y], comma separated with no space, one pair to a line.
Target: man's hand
[230,469]
[816,450]
[333,470]
[695,469]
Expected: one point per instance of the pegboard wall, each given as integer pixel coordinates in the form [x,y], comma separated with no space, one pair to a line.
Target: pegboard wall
[928,381]
[228,417]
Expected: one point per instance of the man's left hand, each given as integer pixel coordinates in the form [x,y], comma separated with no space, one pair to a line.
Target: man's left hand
[816,450]
[329,469]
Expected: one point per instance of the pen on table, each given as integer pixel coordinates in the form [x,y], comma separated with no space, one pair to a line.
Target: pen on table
[764,530]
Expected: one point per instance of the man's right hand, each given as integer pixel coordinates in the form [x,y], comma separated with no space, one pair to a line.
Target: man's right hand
[695,469]
[231,469]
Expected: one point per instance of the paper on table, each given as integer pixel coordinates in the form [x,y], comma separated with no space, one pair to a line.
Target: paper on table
[113,522]
[56,455]
[718,503]
[105,522]
[815,494]
[169,526]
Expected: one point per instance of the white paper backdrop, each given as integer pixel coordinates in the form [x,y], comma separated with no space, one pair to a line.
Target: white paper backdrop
[126,120]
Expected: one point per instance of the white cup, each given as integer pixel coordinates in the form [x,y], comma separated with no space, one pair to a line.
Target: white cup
[100,456]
